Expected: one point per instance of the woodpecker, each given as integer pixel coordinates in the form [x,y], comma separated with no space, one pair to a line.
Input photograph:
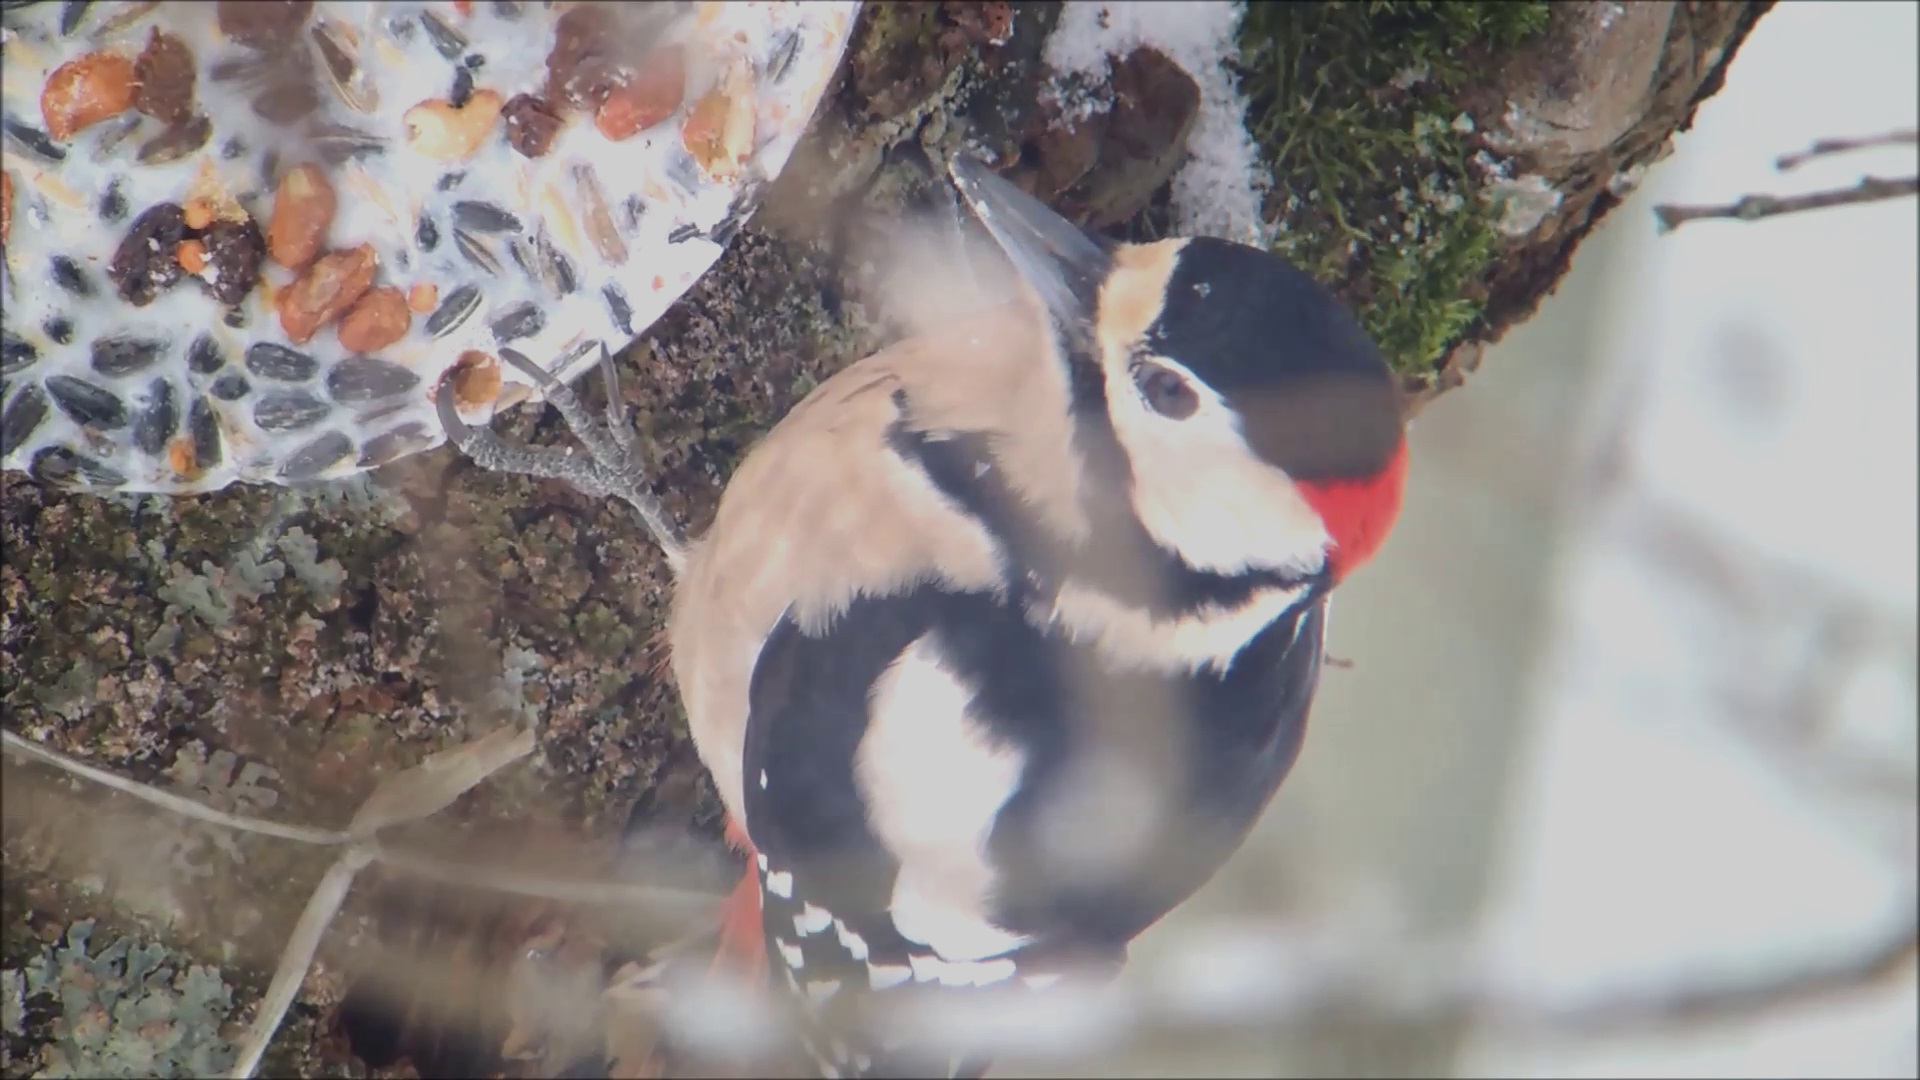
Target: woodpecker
[1004,637]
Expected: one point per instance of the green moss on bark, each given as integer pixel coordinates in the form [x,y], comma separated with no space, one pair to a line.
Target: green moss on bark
[1354,106]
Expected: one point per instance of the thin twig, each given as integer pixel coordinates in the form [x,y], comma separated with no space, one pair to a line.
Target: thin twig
[1823,147]
[297,956]
[578,890]
[168,800]
[1758,207]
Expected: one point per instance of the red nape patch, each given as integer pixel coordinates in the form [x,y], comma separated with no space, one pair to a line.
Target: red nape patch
[1359,513]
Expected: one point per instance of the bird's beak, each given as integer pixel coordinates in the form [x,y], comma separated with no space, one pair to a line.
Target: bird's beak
[1057,259]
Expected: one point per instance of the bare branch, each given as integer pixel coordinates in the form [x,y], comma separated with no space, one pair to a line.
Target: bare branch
[1758,207]
[297,956]
[168,800]
[1824,147]
[577,891]
[1883,962]
[433,785]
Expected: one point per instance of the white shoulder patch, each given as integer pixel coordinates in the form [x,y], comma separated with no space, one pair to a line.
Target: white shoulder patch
[934,781]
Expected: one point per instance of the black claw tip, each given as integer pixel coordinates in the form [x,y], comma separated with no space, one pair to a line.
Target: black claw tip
[457,429]
[527,367]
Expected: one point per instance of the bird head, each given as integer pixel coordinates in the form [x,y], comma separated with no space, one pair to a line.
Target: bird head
[1238,409]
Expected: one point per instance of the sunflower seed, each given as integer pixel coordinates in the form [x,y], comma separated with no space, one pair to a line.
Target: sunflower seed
[558,269]
[476,252]
[176,142]
[59,465]
[426,235]
[32,140]
[232,148]
[600,228]
[682,233]
[113,205]
[522,320]
[449,181]
[127,16]
[462,87]
[449,42]
[286,92]
[360,379]
[289,410]
[88,405]
[538,259]
[617,307]
[204,356]
[153,425]
[338,144]
[72,14]
[204,429]
[230,387]
[16,353]
[123,355]
[317,456]
[60,329]
[453,311]
[781,60]
[23,417]
[112,134]
[632,211]
[246,69]
[270,361]
[343,71]
[506,9]
[573,356]
[68,275]
[729,226]
[393,444]
[483,217]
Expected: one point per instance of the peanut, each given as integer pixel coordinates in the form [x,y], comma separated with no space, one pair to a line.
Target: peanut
[86,90]
[377,321]
[303,207]
[198,213]
[440,131]
[192,255]
[475,379]
[328,288]
[647,98]
[423,297]
[719,128]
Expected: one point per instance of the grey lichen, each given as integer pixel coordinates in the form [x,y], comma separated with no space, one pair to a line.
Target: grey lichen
[127,1010]
[321,578]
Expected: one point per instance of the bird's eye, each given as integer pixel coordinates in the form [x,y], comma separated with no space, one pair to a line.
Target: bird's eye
[1165,392]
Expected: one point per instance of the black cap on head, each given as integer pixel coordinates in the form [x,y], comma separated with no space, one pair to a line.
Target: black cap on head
[1315,396]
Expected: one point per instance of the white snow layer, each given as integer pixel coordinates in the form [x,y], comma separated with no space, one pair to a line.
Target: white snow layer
[1218,191]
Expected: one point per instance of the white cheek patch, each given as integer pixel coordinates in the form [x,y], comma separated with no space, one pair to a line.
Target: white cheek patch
[1132,638]
[1201,491]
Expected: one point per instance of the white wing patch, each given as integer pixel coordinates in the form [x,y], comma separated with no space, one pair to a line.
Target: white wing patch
[780,884]
[812,920]
[934,781]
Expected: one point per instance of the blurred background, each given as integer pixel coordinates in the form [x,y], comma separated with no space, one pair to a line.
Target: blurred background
[1622,778]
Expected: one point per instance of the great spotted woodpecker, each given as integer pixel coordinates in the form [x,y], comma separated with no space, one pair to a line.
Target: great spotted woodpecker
[1004,637]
